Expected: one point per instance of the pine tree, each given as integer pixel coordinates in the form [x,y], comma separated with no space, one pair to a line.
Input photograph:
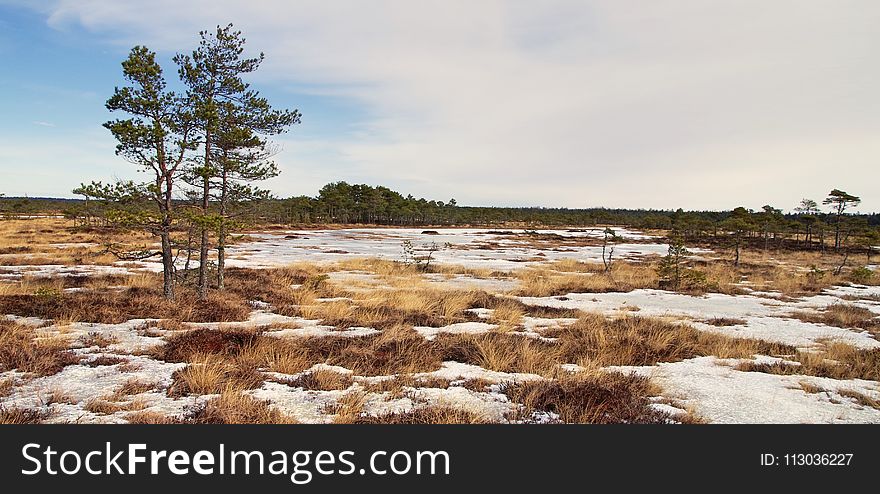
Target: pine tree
[218,95]
[739,223]
[807,210]
[840,201]
[242,158]
[671,269]
[156,138]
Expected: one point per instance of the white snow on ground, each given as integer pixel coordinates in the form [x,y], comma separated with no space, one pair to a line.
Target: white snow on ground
[306,406]
[467,282]
[534,326]
[530,326]
[256,319]
[667,409]
[492,406]
[470,327]
[765,318]
[363,281]
[296,326]
[472,248]
[719,393]
[358,281]
[53,270]
[79,384]
[73,245]
[125,337]
[792,332]
[455,371]
[301,327]
[500,252]
[861,291]
[31,321]
[312,406]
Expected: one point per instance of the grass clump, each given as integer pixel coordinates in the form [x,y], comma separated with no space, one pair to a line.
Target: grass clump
[10,416]
[233,407]
[602,398]
[21,350]
[436,414]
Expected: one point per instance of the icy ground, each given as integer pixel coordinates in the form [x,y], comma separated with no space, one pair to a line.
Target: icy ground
[501,250]
[765,318]
[471,248]
[720,394]
[709,386]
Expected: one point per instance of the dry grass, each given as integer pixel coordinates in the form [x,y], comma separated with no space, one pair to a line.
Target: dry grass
[395,386]
[385,309]
[57,395]
[836,361]
[150,417]
[623,277]
[725,321]
[6,386]
[349,408]
[476,384]
[227,362]
[21,350]
[322,380]
[275,286]
[30,241]
[843,316]
[595,341]
[277,356]
[182,347]
[132,386]
[426,415]
[397,350]
[603,398]
[860,398]
[811,388]
[647,341]
[210,374]
[507,315]
[134,303]
[541,311]
[569,265]
[206,375]
[512,354]
[381,267]
[221,359]
[105,360]
[378,355]
[10,416]
[97,339]
[233,407]
[103,407]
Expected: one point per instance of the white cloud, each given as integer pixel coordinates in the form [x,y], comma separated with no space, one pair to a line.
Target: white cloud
[618,103]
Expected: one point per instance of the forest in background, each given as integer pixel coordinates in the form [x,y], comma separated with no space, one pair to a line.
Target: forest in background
[341,203]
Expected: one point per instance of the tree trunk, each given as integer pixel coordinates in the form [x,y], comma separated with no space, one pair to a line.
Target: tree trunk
[165,205]
[837,231]
[203,251]
[221,241]
[736,259]
[167,266]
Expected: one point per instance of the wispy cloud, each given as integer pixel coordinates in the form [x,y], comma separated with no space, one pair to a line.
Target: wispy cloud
[660,104]
[43,124]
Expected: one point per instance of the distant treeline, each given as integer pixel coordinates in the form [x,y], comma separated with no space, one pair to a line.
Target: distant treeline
[343,203]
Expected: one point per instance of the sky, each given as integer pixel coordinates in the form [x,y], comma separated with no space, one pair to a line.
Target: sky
[615,103]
